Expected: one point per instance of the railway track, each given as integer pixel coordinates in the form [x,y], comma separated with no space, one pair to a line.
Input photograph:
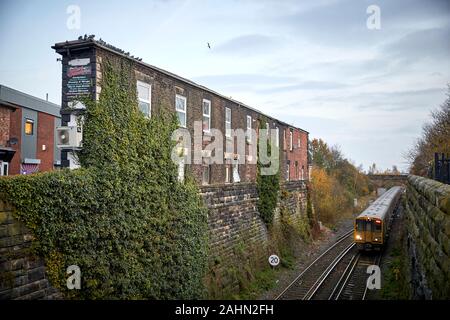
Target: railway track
[338,273]
[304,285]
[353,283]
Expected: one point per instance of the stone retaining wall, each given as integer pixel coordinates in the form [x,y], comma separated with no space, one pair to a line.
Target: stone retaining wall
[427,211]
[233,222]
[237,232]
[22,275]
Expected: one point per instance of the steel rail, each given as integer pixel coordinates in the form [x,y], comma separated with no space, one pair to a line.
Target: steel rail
[348,270]
[312,291]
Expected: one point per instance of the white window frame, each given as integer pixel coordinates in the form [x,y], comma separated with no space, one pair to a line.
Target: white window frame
[235,171]
[30,121]
[291,140]
[249,129]
[277,142]
[227,173]
[149,101]
[298,141]
[206,115]
[288,171]
[178,96]
[227,132]
[2,165]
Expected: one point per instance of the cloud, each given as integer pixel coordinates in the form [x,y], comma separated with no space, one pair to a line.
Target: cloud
[422,44]
[251,44]
[303,85]
[224,80]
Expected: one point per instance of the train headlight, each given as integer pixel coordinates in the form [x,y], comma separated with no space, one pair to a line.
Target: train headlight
[358,237]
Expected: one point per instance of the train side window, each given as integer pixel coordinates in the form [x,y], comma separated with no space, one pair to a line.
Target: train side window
[360,225]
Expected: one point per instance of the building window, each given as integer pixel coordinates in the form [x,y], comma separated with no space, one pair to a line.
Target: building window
[288,164]
[284,140]
[180,107]
[268,129]
[303,173]
[298,141]
[227,122]
[144,97]
[29,126]
[277,141]
[227,174]
[206,115]
[290,140]
[236,177]
[297,170]
[206,173]
[249,129]
[4,166]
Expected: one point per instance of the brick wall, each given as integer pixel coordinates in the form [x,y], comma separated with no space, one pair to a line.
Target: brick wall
[16,132]
[4,124]
[22,275]
[45,136]
[164,88]
[298,156]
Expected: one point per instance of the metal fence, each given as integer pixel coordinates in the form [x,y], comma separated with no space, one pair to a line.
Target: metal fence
[442,168]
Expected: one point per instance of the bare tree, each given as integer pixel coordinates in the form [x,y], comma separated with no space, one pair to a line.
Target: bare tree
[435,138]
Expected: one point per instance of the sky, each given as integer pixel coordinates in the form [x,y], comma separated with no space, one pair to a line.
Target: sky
[318,65]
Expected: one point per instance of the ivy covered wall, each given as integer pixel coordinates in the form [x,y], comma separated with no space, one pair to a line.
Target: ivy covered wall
[123,218]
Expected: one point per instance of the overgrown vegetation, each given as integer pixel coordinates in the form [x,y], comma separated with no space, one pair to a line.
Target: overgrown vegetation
[435,138]
[268,186]
[249,268]
[395,283]
[134,230]
[335,182]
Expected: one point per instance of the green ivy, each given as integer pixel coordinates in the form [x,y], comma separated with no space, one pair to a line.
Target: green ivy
[134,230]
[268,187]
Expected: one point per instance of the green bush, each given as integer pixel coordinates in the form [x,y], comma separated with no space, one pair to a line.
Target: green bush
[134,230]
[268,187]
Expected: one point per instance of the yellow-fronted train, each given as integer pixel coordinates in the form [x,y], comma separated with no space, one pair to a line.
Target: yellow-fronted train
[372,225]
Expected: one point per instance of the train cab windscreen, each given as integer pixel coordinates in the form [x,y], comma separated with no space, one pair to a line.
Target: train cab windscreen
[364,225]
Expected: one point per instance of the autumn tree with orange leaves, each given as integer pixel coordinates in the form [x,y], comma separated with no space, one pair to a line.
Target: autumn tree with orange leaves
[335,182]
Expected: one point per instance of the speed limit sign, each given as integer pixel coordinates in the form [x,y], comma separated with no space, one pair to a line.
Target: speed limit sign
[274,260]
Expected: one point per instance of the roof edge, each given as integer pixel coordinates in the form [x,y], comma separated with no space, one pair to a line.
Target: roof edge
[90,41]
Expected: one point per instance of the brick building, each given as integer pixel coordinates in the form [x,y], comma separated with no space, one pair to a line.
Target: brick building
[6,152]
[81,75]
[27,128]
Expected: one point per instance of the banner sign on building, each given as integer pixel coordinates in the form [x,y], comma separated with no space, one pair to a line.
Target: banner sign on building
[78,77]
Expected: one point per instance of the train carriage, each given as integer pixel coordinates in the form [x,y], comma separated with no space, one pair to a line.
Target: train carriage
[372,225]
